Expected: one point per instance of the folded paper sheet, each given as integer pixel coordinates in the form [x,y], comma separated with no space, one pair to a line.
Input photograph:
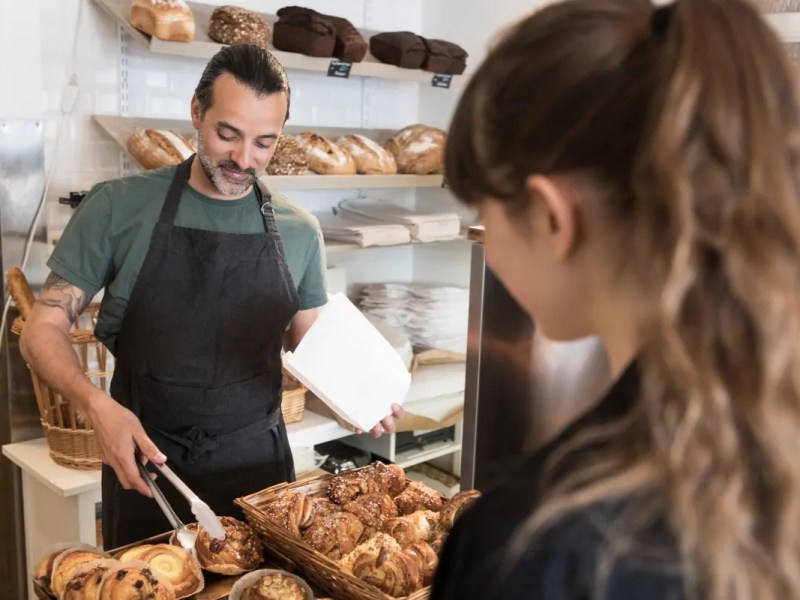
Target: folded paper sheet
[424,226]
[346,362]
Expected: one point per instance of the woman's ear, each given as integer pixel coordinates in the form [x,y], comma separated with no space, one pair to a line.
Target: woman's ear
[553,202]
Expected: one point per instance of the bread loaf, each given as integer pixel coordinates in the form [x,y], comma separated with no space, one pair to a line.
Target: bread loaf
[304,31]
[170,20]
[371,158]
[20,291]
[235,25]
[289,159]
[418,149]
[400,48]
[154,148]
[325,157]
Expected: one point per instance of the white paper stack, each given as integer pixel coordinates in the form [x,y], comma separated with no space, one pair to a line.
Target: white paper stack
[431,316]
[424,226]
[347,228]
[349,365]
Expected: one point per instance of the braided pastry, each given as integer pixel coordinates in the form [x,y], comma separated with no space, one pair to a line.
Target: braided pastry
[453,507]
[418,496]
[348,486]
[290,510]
[176,565]
[426,560]
[382,563]
[334,534]
[390,478]
[67,563]
[241,550]
[409,529]
[134,583]
[85,582]
[373,510]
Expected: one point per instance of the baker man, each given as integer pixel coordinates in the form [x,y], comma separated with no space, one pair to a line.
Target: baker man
[206,277]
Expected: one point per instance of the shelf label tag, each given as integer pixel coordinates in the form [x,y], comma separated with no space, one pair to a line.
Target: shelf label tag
[339,68]
[441,80]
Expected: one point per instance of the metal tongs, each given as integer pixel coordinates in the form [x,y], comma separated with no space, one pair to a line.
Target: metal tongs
[205,516]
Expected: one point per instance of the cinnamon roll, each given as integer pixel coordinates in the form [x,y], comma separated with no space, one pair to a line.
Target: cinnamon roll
[373,510]
[456,505]
[426,559]
[239,552]
[349,485]
[334,534]
[418,496]
[381,562]
[390,478]
[409,529]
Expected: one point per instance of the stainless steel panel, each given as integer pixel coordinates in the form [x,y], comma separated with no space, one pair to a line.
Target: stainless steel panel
[497,403]
[21,185]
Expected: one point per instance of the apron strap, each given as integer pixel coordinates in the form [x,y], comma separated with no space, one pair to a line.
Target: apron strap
[197,442]
[170,208]
[265,203]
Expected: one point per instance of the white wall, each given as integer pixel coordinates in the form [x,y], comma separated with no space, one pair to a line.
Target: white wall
[20,69]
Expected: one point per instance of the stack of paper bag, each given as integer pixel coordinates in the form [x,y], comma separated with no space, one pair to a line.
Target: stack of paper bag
[364,232]
[423,226]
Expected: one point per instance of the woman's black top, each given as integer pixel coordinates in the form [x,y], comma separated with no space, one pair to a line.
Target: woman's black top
[576,558]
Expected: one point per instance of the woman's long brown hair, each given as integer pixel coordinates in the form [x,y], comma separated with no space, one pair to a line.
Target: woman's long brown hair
[686,120]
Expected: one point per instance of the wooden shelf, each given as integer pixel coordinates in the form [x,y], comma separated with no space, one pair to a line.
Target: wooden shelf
[203,47]
[334,247]
[121,128]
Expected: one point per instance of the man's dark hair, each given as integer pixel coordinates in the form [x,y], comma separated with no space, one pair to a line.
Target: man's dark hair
[251,65]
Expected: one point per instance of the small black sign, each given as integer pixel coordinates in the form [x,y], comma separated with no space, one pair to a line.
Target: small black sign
[339,68]
[441,80]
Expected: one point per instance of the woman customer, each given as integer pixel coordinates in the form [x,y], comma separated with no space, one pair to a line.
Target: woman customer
[637,169]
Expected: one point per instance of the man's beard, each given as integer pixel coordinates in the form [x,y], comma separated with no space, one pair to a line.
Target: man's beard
[214,172]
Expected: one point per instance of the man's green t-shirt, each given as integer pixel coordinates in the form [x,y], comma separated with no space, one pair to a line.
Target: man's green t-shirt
[105,243]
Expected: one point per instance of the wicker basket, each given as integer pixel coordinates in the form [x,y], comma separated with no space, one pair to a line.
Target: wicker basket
[293,401]
[315,566]
[69,435]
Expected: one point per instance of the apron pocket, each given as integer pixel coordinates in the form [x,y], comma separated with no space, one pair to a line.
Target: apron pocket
[174,407]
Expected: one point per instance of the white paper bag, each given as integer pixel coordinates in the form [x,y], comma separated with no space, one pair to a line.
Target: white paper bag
[349,365]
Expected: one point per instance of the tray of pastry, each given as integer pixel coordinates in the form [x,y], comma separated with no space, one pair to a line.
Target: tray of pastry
[365,534]
[160,569]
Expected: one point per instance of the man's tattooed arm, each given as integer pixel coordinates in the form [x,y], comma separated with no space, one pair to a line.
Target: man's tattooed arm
[60,293]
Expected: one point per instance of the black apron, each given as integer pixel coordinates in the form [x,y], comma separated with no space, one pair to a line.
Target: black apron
[198,361]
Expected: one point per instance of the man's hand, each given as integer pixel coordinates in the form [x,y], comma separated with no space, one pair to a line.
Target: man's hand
[387,424]
[118,434]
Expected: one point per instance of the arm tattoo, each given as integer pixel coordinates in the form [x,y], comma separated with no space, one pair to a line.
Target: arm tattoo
[67,297]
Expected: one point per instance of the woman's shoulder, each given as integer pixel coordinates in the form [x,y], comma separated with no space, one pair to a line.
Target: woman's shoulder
[492,550]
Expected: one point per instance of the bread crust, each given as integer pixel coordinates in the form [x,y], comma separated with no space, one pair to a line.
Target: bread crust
[170,20]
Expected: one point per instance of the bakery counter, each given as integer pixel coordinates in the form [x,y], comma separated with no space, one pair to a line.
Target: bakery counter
[61,504]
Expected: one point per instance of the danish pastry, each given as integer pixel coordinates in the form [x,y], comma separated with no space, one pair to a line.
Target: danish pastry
[175,565]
